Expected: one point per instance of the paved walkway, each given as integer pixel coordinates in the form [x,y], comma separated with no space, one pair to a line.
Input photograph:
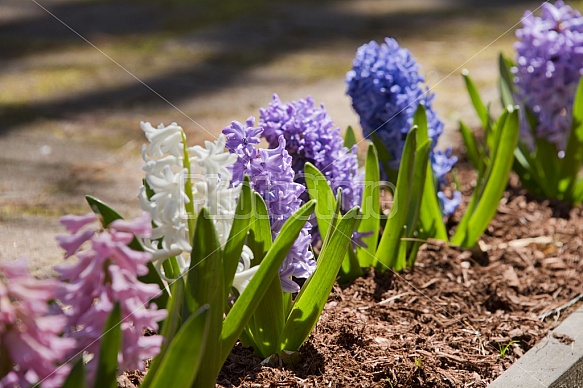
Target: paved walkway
[70,109]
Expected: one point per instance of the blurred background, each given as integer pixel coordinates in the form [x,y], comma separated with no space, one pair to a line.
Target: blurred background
[78,76]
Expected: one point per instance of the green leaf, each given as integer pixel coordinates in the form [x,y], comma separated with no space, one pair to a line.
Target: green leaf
[108,215]
[319,190]
[571,163]
[477,102]
[384,158]
[106,375]
[238,233]
[259,239]
[430,216]
[76,377]
[313,296]
[172,324]
[473,149]
[487,204]
[505,82]
[547,158]
[349,138]
[205,285]
[419,170]
[255,290]
[387,252]
[371,210]
[268,321]
[182,362]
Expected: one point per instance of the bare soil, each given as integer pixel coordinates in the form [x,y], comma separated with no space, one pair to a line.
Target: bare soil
[458,319]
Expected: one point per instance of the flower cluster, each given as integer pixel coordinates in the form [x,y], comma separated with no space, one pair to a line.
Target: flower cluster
[549,66]
[107,273]
[179,182]
[30,343]
[311,136]
[272,176]
[386,88]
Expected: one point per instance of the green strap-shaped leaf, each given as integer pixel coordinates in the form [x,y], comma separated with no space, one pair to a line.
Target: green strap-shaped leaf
[259,239]
[370,208]
[547,158]
[205,285]
[477,102]
[108,215]
[473,148]
[495,185]
[505,82]
[182,362]
[387,252]
[311,300]
[349,138]
[172,324]
[385,158]
[419,171]
[255,290]
[106,375]
[238,233]
[319,190]
[571,163]
[76,377]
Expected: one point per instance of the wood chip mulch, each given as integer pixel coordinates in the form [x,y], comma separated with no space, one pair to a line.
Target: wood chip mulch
[458,319]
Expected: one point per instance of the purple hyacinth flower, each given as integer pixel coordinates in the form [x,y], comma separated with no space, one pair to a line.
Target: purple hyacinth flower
[386,88]
[549,66]
[271,175]
[311,136]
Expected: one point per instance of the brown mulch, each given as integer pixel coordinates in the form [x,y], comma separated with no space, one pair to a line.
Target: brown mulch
[458,319]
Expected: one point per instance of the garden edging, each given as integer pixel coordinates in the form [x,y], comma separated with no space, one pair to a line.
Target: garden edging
[556,361]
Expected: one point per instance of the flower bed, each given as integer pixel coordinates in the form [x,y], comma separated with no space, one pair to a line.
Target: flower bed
[456,319]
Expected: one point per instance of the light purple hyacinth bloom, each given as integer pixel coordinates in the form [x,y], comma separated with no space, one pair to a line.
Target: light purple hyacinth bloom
[30,337]
[107,272]
[271,175]
[386,88]
[311,136]
[549,66]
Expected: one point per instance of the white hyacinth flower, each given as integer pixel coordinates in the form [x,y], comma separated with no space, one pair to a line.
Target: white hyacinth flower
[180,182]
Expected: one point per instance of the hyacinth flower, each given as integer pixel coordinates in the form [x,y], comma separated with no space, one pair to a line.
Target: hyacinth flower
[311,137]
[272,176]
[31,345]
[179,182]
[386,89]
[549,64]
[546,82]
[106,273]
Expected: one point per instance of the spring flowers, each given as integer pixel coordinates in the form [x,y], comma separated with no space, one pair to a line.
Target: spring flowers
[272,176]
[105,273]
[311,136]
[385,87]
[549,66]
[30,343]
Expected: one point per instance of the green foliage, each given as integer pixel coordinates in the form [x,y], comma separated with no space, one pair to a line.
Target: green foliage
[76,377]
[491,182]
[311,299]
[180,365]
[370,220]
[399,243]
[110,345]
